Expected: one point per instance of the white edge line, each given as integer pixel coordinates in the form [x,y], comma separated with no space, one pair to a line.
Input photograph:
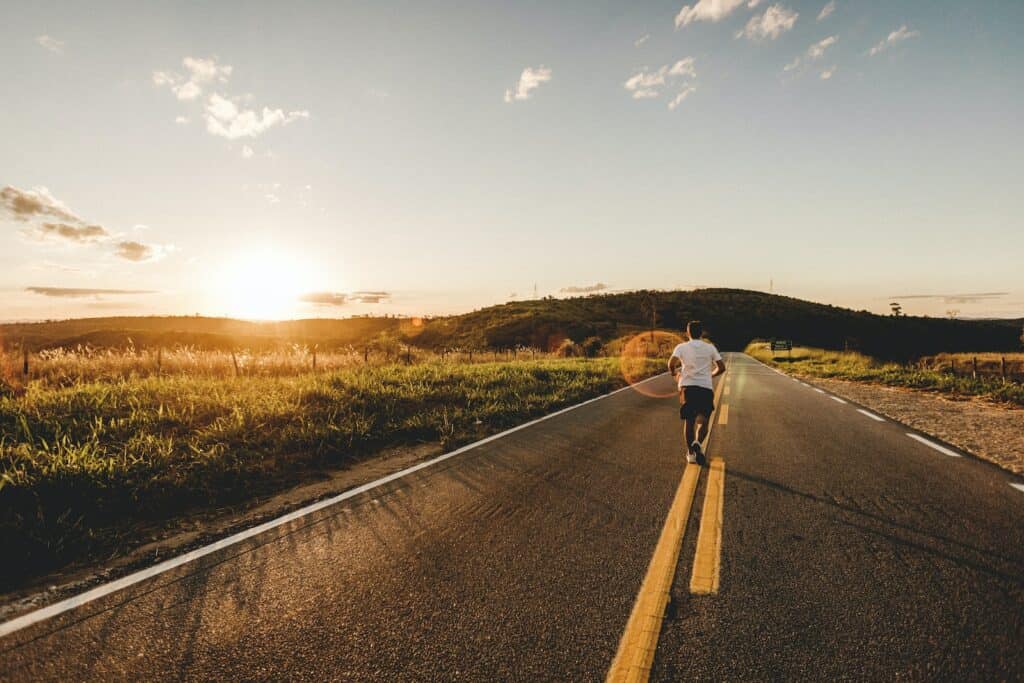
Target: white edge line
[871,415]
[76,601]
[940,449]
[837,399]
[1019,487]
[820,391]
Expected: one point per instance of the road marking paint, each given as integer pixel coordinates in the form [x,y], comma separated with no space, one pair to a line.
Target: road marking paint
[76,601]
[871,415]
[723,414]
[1019,487]
[708,560]
[805,384]
[932,444]
[635,655]
[820,391]
[837,399]
[640,639]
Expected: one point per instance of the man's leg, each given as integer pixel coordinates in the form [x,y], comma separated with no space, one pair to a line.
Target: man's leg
[689,432]
[702,427]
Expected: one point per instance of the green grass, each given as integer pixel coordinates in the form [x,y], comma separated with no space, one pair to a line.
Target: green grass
[858,367]
[79,465]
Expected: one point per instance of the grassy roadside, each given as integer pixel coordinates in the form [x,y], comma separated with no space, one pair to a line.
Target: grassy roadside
[78,465]
[857,367]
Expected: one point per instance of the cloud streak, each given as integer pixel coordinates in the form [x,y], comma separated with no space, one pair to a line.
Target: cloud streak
[344,299]
[709,10]
[649,84]
[769,25]
[222,113]
[74,233]
[970,298]
[898,36]
[33,207]
[52,44]
[25,205]
[225,119]
[84,292]
[813,53]
[585,289]
[529,80]
[827,10]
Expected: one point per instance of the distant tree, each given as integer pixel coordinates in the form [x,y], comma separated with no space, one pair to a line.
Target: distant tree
[592,346]
[897,310]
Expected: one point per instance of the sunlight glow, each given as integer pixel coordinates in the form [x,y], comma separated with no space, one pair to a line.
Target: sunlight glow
[263,285]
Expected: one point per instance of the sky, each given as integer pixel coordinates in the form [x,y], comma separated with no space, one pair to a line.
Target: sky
[303,159]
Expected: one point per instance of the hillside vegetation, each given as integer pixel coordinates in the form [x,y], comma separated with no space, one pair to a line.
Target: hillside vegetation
[733,318]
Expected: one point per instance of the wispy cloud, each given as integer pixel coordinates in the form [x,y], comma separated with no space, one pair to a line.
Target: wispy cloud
[33,207]
[828,73]
[369,297]
[222,113]
[827,10]
[814,52]
[682,95]
[74,233]
[200,72]
[709,10]
[771,24]
[969,298]
[585,289]
[647,83]
[898,36]
[84,292]
[225,119]
[137,252]
[24,205]
[52,44]
[641,40]
[529,80]
[343,298]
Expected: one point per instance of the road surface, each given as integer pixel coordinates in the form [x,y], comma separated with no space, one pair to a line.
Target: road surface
[846,549]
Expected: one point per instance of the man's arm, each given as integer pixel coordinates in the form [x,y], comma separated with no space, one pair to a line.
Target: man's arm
[674,364]
[719,368]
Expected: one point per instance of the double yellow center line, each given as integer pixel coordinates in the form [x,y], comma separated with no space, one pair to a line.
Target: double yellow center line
[635,655]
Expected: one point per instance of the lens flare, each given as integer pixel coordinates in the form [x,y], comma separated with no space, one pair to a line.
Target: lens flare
[638,350]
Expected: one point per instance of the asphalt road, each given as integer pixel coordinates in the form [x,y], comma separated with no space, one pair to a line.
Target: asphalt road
[848,550]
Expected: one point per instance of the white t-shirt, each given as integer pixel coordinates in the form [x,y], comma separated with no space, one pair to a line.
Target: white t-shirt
[697,357]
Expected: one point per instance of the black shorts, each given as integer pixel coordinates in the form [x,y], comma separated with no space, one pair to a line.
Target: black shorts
[696,401]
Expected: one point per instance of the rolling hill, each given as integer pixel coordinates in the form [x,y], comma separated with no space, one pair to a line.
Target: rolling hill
[732,318]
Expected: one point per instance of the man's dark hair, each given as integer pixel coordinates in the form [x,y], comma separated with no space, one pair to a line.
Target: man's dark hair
[695,329]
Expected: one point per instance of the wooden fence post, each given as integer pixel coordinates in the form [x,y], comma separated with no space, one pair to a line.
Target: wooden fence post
[234,361]
[1002,367]
[24,365]
[952,366]
[366,355]
[974,367]
[314,356]
[159,360]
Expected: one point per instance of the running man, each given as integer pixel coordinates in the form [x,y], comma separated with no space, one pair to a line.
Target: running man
[693,364]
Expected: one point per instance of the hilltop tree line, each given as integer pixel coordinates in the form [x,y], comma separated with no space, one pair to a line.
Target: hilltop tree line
[732,318]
